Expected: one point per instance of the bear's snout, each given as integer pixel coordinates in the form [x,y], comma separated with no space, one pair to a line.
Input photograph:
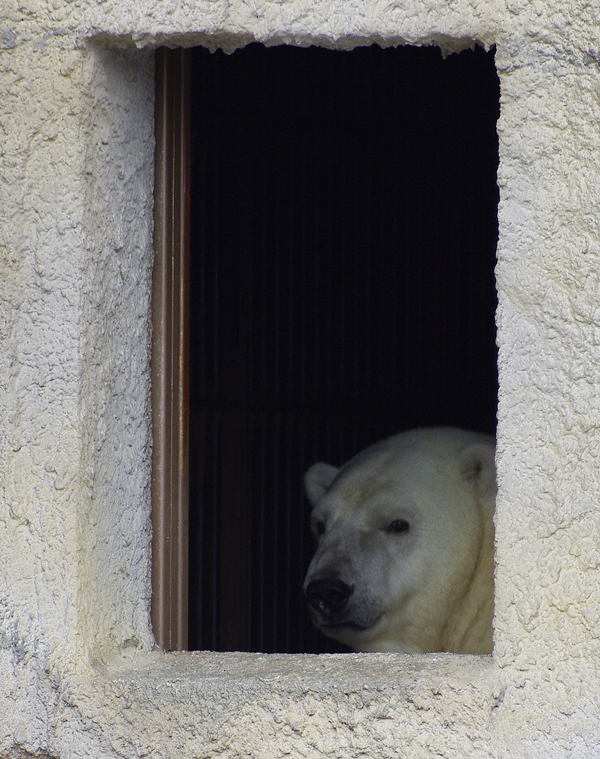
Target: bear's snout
[329,596]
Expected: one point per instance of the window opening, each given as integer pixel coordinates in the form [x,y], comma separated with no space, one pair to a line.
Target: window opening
[343,232]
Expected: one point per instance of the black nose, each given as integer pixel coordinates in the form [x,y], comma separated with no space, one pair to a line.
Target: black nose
[328,596]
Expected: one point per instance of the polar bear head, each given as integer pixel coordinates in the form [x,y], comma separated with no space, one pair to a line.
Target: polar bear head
[405,544]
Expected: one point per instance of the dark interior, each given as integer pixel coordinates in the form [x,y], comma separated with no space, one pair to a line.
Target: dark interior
[343,246]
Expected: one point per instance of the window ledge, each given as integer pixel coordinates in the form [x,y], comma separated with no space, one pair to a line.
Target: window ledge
[239,704]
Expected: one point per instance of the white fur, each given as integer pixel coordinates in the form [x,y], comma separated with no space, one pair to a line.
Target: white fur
[426,588]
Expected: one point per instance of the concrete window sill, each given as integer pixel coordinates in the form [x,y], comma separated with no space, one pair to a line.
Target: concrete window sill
[241,704]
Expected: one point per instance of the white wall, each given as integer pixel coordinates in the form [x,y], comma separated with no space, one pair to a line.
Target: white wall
[548,276]
[77,675]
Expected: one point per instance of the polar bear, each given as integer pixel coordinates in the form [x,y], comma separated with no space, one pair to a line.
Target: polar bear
[405,557]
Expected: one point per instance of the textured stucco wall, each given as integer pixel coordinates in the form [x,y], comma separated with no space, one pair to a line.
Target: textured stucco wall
[77,677]
[218,705]
[75,258]
[548,275]
[115,342]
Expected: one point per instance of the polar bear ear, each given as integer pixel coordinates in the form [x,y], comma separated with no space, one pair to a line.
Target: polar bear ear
[317,479]
[477,464]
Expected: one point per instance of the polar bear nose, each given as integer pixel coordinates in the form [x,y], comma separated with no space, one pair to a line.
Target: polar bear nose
[328,596]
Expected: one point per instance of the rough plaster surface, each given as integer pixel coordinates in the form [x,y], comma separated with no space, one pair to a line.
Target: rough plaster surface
[210,705]
[76,675]
[75,257]
[549,338]
[115,343]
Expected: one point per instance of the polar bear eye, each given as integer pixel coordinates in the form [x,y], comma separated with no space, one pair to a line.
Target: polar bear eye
[398,525]
[319,527]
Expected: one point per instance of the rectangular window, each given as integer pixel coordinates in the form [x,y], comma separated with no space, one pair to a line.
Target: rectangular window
[343,229]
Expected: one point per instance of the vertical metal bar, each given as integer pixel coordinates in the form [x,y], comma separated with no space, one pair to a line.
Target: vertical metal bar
[170,353]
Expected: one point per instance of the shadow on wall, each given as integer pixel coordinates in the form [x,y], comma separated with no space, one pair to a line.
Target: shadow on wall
[343,248]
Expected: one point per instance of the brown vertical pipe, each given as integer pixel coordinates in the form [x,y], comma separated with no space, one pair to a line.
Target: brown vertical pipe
[170,352]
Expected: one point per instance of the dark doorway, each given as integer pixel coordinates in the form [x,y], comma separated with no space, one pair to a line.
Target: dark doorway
[343,242]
